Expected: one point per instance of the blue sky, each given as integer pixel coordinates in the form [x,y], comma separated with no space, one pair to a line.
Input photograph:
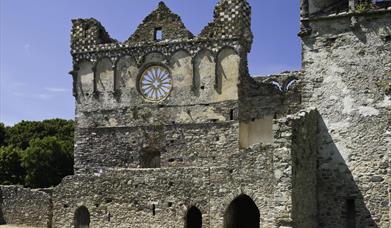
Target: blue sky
[35,34]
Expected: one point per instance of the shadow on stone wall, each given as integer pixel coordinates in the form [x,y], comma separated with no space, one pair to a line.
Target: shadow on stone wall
[340,202]
[2,220]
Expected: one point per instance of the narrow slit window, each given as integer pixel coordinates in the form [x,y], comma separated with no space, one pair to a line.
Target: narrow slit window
[153,209]
[231,114]
[158,34]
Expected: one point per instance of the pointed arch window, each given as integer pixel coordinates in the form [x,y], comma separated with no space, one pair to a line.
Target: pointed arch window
[193,218]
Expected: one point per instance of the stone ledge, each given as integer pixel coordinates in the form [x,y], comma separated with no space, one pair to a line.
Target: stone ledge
[347,14]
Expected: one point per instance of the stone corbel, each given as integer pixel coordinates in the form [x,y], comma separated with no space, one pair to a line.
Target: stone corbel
[74,73]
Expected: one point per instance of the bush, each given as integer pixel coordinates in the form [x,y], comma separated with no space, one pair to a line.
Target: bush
[47,161]
[11,171]
[22,133]
[36,153]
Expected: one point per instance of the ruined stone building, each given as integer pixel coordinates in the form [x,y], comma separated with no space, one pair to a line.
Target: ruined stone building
[173,132]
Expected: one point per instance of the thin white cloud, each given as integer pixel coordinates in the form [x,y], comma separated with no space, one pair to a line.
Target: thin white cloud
[18,94]
[27,49]
[43,96]
[56,90]
[19,84]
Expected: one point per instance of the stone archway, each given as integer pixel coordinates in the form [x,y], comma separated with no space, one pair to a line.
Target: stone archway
[82,217]
[193,218]
[242,212]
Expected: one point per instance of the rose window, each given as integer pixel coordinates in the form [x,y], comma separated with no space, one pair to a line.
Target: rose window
[155,83]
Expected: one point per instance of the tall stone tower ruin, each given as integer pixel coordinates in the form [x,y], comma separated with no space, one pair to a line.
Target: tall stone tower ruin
[347,77]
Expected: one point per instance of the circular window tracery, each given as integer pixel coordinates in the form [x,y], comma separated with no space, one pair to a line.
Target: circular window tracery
[155,83]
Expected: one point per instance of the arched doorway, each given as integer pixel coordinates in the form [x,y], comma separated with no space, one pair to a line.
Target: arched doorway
[150,158]
[82,217]
[193,218]
[242,212]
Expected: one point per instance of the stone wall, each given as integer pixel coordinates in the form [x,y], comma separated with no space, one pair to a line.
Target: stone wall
[347,77]
[161,197]
[22,206]
[198,145]
[272,175]
[304,169]
[294,167]
[150,114]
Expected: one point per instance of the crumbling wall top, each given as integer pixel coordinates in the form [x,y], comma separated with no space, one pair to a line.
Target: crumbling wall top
[86,32]
[232,19]
[164,20]
[232,22]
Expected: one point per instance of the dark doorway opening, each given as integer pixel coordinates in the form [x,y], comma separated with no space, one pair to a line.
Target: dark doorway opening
[242,212]
[82,217]
[150,158]
[193,218]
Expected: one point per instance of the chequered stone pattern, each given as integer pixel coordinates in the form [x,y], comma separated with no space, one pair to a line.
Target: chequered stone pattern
[232,18]
[115,51]
[233,15]
[87,33]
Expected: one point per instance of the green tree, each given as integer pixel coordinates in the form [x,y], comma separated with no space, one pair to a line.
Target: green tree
[2,134]
[22,133]
[11,171]
[47,161]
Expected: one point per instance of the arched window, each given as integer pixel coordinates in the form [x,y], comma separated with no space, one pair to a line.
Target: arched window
[150,158]
[125,73]
[193,218]
[104,75]
[204,70]
[227,71]
[242,212]
[85,79]
[82,218]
